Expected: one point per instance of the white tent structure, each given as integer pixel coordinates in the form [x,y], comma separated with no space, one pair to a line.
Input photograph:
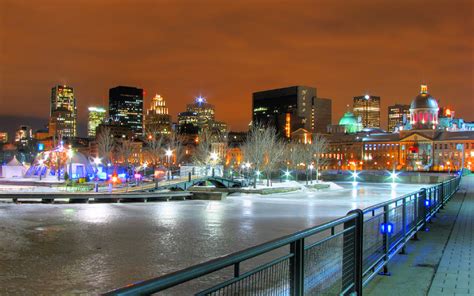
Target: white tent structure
[13,169]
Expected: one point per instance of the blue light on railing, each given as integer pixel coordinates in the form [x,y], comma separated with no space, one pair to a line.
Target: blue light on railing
[386,228]
[427,203]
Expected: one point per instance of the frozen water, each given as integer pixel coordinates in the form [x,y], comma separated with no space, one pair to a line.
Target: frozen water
[92,248]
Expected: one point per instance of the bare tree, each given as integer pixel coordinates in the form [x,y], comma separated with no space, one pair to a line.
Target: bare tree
[175,144]
[203,148]
[263,150]
[319,147]
[154,145]
[106,144]
[295,155]
[125,151]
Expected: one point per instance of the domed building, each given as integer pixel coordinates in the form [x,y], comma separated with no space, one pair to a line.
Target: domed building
[350,122]
[424,110]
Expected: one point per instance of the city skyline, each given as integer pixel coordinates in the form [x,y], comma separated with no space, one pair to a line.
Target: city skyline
[226,62]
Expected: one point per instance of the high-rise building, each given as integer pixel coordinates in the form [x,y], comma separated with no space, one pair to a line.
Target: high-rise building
[198,116]
[126,108]
[63,112]
[157,119]
[96,117]
[291,108]
[398,115]
[204,111]
[368,108]
[3,137]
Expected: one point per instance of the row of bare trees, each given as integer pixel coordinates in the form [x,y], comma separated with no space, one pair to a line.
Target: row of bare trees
[113,150]
[267,152]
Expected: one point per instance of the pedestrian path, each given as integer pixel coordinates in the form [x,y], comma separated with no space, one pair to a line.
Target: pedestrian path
[455,273]
[442,261]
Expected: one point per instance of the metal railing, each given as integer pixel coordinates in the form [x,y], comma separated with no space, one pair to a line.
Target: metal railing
[336,258]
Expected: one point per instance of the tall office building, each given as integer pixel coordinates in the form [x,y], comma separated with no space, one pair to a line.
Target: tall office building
[204,111]
[157,118]
[126,108]
[291,108]
[63,112]
[368,108]
[95,118]
[398,115]
[199,115]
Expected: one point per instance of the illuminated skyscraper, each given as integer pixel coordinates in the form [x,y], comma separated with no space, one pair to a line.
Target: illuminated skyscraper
[126,108]
[368,108]
[157,119]
[198,116]
[398,115]
[291,108]
[203,110]
[63,112]
[96,117]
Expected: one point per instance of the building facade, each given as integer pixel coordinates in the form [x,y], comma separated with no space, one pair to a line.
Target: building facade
[126,108]
[424,144]
[96,117]
[368,108]
[63,112]
[157,119]
[199,115]
[398,115]
[291,108]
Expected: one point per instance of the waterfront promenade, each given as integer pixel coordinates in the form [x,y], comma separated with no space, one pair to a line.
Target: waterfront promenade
[441,262]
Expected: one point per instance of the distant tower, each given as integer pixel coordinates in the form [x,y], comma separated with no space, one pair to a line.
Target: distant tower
[368,108]
[157,119]
[63,112]
[96,117]
[126,108]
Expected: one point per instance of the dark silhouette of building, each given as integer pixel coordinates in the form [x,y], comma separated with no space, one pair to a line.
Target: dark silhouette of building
[291,108]
[126,108]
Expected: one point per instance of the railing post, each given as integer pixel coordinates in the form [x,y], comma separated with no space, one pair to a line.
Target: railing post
[358,260]
[386,242]
[423,206]
[297,268]
[404,225]
[441,194]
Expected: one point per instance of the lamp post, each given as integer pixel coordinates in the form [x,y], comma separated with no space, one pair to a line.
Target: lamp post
[213,157]
[168,154]
[311,167]
[70,154]
[97,162]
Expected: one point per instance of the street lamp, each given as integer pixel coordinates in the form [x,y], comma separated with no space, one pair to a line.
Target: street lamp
[311,167]
[168,154]
[97,162]
[70,154]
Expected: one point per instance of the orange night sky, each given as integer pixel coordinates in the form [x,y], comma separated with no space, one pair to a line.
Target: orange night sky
[225,50]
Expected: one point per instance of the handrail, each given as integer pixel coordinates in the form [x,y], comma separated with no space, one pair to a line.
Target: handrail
[425,203]
[175,278]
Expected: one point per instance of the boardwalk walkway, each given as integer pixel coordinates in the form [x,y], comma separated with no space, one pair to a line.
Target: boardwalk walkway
[442,261]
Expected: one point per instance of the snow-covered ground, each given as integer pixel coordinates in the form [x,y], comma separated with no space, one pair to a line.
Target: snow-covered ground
[91,248]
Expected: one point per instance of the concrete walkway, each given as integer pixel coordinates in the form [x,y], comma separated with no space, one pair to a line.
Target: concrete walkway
[441,262]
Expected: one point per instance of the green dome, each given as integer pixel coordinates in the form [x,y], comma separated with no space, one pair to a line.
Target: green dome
[348,119]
